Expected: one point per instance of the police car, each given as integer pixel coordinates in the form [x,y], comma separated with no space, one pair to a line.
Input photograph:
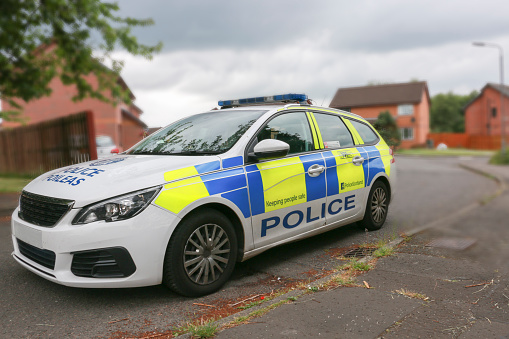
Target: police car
[182,206]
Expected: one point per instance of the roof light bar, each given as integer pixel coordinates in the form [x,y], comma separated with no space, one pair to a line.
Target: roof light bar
[265,100]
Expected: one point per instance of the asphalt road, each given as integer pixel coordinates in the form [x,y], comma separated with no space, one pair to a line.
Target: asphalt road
[428,189]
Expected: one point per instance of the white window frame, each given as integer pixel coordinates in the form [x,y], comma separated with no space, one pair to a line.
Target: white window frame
[407,136]
[406,109]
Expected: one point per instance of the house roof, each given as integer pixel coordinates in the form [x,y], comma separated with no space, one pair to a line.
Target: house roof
[497,87]
[133,117]
[390,94]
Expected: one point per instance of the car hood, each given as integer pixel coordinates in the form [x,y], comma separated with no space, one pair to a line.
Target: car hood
[96,180]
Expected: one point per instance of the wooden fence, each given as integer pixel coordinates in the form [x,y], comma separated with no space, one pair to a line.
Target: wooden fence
[38,148]
[463,140]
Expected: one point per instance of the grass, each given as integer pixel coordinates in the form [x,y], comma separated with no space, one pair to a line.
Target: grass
[203,329]
[447,152]
[413,295]
[383,251]
[355,265]
[251,304]
[500,159]
[12,184]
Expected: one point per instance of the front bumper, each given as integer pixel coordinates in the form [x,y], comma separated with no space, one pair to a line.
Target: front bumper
[144,237]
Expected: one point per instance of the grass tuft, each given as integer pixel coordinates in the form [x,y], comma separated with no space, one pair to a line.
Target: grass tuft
[383,251]
[500,159]
[203,329]
[413,295]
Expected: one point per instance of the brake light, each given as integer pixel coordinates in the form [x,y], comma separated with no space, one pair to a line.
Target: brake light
[393,160]
[115,150]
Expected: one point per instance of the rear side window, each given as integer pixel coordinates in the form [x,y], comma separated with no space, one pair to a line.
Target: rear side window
[333,130]
[366,133]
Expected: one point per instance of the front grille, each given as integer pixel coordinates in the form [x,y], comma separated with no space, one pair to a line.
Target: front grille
[115,262]
[45,258]
[42,211]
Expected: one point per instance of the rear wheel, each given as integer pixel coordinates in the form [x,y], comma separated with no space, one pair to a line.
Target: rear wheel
[201,254]
[377,207]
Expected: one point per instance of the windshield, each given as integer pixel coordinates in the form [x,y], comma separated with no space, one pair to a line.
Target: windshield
[206,133]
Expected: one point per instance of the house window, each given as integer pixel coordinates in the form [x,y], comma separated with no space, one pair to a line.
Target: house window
[494,112]
[406,133]
[405,109]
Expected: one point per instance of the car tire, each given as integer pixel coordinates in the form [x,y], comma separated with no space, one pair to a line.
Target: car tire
[377,207]
[201,254]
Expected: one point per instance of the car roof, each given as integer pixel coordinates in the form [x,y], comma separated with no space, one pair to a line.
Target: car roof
[277,108]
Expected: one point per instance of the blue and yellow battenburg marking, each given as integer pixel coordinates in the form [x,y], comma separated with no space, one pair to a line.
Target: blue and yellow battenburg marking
[196,184]
[282,183]
[276,184]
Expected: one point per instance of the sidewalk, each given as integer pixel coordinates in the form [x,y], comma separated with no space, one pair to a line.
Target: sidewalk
[8,203]
[458,269]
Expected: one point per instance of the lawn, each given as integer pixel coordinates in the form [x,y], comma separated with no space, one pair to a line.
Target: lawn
[448,152]
[12,185]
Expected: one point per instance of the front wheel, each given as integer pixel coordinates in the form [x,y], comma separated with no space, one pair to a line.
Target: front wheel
[377,207]
[201,254]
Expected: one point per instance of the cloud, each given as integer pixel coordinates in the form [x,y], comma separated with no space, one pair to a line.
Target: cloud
[233,49]
[364,25]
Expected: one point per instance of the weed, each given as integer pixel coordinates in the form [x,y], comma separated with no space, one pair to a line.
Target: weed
[360,266]
[413,295]
[355,265]
[500,159]
[313,288]
[291,298]
[383,251]
[251,304]
[203,329]
[240,320]
[344,280]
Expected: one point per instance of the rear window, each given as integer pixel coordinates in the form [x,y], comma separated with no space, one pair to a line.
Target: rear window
[333,130]
[366,133]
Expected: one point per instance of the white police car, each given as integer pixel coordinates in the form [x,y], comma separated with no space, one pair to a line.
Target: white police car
[183,205]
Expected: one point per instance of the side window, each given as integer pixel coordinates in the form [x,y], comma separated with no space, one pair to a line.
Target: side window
[292,128]
[366,133]
[333,130]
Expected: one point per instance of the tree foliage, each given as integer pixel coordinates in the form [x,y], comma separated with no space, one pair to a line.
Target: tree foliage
[386,125]
[446,112]
[76,28]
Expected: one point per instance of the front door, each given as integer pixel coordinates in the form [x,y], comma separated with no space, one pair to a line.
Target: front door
[286,194]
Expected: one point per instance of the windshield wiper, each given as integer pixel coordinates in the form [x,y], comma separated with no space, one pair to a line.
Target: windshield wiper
[195,152]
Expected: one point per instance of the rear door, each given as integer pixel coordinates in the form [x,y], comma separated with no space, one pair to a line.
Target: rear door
[345,168]
[286,194]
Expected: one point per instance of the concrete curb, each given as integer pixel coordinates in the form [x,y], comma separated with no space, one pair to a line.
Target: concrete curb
[317,283]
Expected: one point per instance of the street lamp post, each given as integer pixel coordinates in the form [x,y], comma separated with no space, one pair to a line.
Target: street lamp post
[502,115]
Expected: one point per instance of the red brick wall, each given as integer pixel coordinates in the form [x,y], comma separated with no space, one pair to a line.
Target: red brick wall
[478,117]
[420,117]
[107,117]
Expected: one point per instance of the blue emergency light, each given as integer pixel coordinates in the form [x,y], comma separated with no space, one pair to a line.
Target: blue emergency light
[265,100]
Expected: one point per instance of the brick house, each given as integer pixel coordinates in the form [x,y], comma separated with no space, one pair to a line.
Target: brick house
[408,103]
[482,114]
[121,121]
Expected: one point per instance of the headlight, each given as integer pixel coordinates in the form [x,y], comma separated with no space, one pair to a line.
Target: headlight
[118,208]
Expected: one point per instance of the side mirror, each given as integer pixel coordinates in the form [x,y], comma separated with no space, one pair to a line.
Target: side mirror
[271,148]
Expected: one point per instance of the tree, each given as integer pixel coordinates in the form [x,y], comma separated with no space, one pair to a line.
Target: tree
[446,112]
[386,125]
[28,26]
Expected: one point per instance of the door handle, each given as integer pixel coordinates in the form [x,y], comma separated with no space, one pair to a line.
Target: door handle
[315,170]
[358,160]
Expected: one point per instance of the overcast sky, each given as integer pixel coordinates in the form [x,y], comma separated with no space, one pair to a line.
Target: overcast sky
[222,49]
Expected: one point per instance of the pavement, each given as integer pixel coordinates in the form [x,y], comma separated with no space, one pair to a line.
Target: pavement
[456,266]
[450,279]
